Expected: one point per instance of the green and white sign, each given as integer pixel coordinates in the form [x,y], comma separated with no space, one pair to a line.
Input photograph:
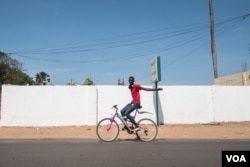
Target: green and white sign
[156,69]
[155,78]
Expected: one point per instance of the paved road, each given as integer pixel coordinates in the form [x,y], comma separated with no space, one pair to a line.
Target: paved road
[122,153]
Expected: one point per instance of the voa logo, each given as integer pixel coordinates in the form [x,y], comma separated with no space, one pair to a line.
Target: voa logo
[236,158]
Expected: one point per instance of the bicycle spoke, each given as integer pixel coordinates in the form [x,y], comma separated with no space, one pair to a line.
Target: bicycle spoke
[107,130]
[148,130]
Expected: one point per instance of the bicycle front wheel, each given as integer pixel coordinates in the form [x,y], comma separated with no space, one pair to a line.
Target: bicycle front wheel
[148,130]
[107,130]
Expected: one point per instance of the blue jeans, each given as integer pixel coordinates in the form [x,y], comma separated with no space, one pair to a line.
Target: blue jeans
[128,109]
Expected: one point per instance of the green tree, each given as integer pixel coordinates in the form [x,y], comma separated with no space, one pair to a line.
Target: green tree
[88,81]
[121,82]
[12,71]
[42,78]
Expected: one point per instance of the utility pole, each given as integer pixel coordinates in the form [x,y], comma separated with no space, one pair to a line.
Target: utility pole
[213,45]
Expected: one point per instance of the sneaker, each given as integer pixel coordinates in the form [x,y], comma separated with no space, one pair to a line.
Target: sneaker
[135,130]
[131,127]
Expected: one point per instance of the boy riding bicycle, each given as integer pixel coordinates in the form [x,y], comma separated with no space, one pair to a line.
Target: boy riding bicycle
[136,101]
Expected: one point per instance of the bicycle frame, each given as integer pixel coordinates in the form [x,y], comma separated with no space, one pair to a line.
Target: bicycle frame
[125,123]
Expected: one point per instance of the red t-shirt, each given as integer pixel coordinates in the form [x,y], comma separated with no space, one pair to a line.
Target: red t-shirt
[135,93]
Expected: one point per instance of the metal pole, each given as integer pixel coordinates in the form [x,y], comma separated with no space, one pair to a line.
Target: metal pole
[213,45]
[156,104]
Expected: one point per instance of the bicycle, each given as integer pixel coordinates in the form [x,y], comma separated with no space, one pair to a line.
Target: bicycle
[108,129]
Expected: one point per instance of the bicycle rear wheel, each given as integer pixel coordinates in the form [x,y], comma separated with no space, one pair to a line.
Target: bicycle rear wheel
[107,130]
[148,130]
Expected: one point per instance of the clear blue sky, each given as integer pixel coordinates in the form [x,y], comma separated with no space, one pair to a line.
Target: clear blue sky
[111,39]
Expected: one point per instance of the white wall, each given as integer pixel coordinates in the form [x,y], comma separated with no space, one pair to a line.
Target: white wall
[86,105]
[187,104]
[231,103]
[48,105]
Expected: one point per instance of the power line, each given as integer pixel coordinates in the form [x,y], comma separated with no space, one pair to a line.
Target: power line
[105,45]
[134,39]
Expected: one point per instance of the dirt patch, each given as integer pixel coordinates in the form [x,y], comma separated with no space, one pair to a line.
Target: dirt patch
[232,130]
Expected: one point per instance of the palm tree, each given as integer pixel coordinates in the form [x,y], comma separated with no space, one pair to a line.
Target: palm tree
[88,81]
[42,78]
